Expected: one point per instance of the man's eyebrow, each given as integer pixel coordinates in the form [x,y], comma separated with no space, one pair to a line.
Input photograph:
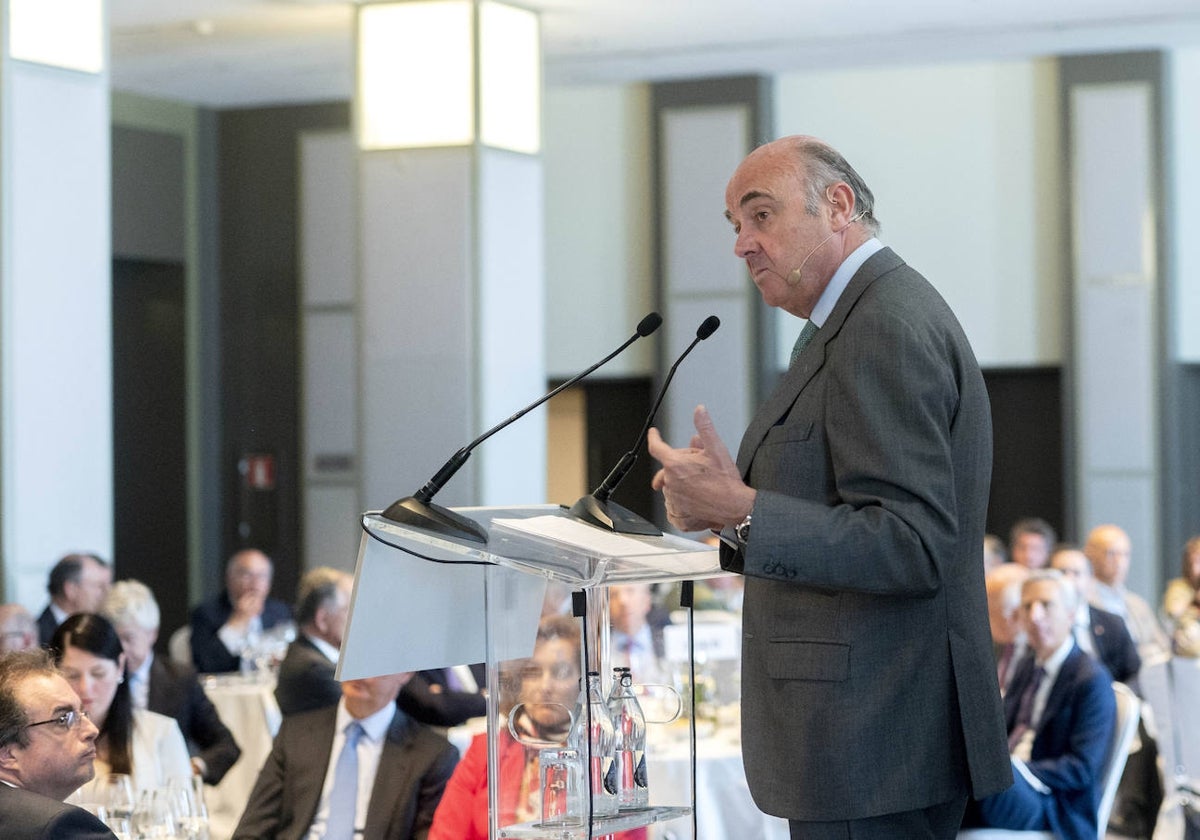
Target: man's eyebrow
[747,198]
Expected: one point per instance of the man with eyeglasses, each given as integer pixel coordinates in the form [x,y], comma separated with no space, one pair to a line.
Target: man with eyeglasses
[230,624]
[47,745]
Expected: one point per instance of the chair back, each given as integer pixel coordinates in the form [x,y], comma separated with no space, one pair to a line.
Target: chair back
[1128,713]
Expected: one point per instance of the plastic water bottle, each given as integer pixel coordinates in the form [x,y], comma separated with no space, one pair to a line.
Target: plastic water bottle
[629,756]
[600,736]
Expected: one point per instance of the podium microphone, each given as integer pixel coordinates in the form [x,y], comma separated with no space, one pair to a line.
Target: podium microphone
[418,510]
[596,508]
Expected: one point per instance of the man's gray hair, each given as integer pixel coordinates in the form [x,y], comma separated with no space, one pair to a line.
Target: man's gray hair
[1070,595]
[132,602]
[317,589]
[824,166]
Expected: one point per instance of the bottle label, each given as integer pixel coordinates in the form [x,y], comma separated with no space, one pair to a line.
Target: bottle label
[639,773]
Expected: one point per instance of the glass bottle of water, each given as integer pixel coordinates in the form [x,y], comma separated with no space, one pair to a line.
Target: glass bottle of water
[629,756]
[600,774]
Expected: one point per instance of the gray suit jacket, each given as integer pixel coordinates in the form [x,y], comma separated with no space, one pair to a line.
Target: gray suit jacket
[413,770]
[868,685]
[25,815]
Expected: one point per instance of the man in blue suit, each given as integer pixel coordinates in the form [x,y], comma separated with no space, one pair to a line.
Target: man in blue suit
[1060,712]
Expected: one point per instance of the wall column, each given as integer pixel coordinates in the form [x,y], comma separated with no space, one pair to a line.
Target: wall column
[55,313]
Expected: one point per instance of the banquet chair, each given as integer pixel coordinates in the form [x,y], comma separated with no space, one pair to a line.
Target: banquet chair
[1128,713]
[1171,686]
[179,646]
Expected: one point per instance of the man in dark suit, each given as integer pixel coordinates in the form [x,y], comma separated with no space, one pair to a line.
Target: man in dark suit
[223,628]
[47,746]
[1099,632]
[306,676]
[168,687]
[1060,714]
[866,658]
[300,787]
[305,681]
[78,583]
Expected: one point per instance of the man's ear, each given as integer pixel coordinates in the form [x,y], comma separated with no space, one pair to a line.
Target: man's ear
[8,757]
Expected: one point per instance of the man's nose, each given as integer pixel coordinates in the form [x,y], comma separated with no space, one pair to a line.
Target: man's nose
[744,245]
[88,730]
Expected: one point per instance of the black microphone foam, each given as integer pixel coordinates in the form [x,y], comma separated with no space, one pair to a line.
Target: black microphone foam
[418,511]
[595,507]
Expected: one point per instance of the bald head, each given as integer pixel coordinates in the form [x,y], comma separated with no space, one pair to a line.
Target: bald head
[1108,548]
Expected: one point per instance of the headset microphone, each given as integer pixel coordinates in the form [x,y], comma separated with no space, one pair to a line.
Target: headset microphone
[793,278]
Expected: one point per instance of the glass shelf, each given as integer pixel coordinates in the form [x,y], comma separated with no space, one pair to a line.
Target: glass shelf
[601,826]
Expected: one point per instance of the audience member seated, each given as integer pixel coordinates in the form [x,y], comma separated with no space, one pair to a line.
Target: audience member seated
[1103,635]
[167,687]
[46,749]
[1060,712]
[1003,587]
[309,786]
[146,745]
[637,642]
[540,695]
[1181,602]
[1030,541]
[1099,632]
[78,583]
[17,629]
[306,680]
[232,623]
[446,696]
[1108,548]
[306,676]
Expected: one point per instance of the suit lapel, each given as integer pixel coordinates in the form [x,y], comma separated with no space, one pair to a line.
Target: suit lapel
[393,767]
[797,377]
[316,744]
[1062,686]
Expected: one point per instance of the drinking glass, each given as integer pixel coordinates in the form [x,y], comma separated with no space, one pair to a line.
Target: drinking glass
[116,794]
[120,826]
[154,816]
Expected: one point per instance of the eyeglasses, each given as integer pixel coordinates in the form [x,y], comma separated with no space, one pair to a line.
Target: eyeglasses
[66,721]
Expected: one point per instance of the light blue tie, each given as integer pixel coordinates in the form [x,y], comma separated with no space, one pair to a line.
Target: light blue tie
[343,798]
[806,335]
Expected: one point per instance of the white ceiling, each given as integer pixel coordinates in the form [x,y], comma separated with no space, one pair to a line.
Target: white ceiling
[231,53]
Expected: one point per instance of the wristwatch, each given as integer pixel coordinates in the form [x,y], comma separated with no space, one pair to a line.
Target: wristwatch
[742,530]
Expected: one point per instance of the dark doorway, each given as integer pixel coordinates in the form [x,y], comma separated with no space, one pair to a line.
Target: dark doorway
[616,412]
[149,432]
[1027,459]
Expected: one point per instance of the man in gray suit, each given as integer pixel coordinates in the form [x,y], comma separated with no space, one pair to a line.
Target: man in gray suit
[855,510]
[301,790]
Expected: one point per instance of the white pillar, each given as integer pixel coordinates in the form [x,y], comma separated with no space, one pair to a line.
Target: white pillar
[55,301]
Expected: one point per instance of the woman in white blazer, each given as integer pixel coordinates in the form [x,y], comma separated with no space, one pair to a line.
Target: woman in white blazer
[147,746]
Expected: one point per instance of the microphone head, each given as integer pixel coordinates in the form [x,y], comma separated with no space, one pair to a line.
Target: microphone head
[708,327]
[649,324]
[793,279]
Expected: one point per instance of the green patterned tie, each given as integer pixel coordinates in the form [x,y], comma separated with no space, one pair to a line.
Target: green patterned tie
[806,335]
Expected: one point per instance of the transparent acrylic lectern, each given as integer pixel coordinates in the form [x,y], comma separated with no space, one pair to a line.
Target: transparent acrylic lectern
[424,601]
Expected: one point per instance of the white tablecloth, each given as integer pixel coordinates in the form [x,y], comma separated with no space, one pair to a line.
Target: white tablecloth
[724,809]
[247,706]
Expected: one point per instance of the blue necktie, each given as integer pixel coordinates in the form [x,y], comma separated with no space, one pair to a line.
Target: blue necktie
[343,798]
[806,335]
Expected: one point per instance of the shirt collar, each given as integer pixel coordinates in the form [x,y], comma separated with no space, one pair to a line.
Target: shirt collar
[1052,665]
[142,674]
[841,279]
[329,651]
[375,726]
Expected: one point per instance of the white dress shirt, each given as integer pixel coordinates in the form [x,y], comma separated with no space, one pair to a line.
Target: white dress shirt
[370,748]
